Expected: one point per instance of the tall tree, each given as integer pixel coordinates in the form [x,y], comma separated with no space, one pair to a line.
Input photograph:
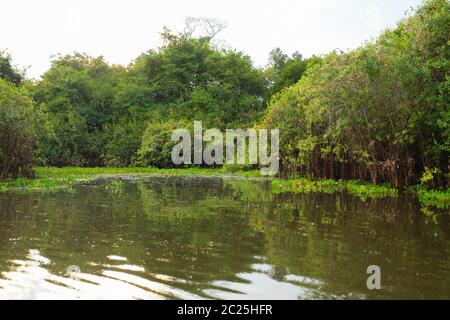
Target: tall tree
[284,71]
[8,71]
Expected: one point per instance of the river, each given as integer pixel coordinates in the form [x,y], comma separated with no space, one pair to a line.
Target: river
[217,238]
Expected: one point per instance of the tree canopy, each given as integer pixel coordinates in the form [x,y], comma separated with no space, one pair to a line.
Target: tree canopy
[8,71]
[378,113]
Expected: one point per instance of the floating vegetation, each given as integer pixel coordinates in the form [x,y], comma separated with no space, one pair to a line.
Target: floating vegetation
[50,178]
[115,186]
[365,191]
[435,198]
[356,188]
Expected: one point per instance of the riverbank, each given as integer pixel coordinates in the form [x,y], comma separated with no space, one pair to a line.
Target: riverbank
[51,179]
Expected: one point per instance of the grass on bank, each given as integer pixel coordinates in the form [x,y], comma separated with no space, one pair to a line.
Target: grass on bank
[50,178]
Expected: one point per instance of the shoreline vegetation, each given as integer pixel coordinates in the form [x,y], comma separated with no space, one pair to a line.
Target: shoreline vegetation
[51,178]
[372,121]
[54,179]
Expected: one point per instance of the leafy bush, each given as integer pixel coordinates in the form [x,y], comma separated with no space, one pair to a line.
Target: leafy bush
[18,120]
[157,145]
[7,71]
[378,113]
[124,141]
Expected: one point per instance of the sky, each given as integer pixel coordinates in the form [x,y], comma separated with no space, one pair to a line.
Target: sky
[34,31]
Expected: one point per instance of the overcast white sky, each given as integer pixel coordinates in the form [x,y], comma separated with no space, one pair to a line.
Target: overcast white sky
[34,30]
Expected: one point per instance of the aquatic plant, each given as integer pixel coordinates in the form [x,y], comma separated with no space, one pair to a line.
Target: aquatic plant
[115,186]
[356,188]
[436,198]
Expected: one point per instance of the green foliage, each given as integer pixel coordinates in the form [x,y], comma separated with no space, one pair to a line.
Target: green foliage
[157,144]
[78,92]
[304,185]
[378,113]
[284,71]
[428,175]
[436,198]
[124,140]
[232,168]
[98,113]
[52,178]
[7,71]
[189,79]
[362,191]
[115,186]
[18,120]
[365,191]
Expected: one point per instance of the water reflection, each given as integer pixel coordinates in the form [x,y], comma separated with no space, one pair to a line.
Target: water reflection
[203,238]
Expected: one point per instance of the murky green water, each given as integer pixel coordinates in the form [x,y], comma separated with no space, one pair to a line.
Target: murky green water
[193,237]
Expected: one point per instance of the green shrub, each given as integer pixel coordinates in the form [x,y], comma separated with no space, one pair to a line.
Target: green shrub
[17,132]
[378,113]
[157,145]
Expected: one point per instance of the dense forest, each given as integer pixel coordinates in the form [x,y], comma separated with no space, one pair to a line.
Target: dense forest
[379,113]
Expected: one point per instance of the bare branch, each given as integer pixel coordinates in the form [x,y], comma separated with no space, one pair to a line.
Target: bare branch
[209,27]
